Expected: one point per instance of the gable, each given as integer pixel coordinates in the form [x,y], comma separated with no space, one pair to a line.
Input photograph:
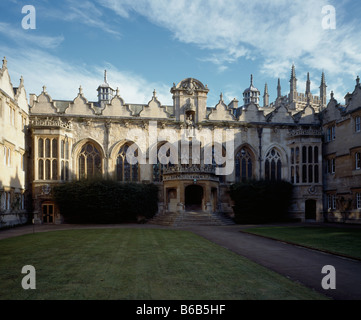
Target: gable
[220,112]
[80,106]
[43,104]
[153,110]
[117,108]
[280,115]
[252,114]
[308,116]
[5,83]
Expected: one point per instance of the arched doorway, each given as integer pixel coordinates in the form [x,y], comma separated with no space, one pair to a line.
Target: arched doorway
[310,210]
[193,197]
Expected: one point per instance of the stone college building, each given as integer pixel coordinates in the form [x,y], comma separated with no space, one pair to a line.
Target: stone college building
[192,151]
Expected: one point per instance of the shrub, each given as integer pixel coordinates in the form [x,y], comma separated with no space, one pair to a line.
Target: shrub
[106,201]
[261,201]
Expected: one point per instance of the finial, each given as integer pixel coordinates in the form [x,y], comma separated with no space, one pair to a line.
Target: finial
[105,76]
[221,97]
[279,88]
[5,63]
[251,79]
[117,92]
[44,89]
[332,94]
[358,80]
[154,93]
[80,90]
[265,88]
[21,81]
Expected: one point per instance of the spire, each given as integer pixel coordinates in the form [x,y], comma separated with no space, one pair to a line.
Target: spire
[251,79]
[323,81]
[105,76]
[279,88]
[308,84]
[293,86]
[265,96]
[293,72]
[323,90]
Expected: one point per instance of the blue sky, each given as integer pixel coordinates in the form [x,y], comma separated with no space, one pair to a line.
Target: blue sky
[147,45]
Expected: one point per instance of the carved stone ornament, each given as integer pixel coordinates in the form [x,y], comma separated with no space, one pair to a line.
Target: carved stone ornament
[312,190]
[46,189]
[190,87]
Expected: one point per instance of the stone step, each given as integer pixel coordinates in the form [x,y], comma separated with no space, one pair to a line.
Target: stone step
[190,218]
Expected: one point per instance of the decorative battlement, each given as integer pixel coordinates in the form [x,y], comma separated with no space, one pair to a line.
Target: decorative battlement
[305,132]
[51,122]
[195,168]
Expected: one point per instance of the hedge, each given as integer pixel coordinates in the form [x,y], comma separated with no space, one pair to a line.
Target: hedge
[261,201]
[106,201]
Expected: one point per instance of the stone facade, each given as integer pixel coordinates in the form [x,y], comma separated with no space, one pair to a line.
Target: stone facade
[342,158]
[14,120]
[194,152]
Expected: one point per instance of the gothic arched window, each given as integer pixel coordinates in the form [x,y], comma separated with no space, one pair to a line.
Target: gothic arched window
[244,166]
[125,170]
[90,162]
[159,167]
[273,166]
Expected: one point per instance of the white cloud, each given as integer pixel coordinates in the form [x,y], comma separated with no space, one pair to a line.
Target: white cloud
[277,32]
[89,14]
[26,37]
[62,79]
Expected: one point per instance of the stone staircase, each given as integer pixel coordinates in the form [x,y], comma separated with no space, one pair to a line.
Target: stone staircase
[164,219]
[191,218]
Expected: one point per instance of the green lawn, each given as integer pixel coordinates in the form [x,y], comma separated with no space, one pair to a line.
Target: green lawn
[136,264]
[346,241]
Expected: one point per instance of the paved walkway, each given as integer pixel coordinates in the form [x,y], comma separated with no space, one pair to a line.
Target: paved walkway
[297,263]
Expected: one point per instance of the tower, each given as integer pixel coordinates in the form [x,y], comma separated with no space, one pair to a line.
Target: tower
[105,92]
[251,94]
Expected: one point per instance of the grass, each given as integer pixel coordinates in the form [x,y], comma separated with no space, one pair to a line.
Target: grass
[344,241]
[136,264]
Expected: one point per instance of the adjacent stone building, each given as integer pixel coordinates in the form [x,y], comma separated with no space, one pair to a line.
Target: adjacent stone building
[342,158]
[194,152]
[14,120]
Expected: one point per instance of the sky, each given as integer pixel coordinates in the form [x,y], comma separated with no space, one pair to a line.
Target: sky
[148,45]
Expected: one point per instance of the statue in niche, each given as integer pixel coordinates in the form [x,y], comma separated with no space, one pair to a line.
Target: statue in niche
[190,125]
